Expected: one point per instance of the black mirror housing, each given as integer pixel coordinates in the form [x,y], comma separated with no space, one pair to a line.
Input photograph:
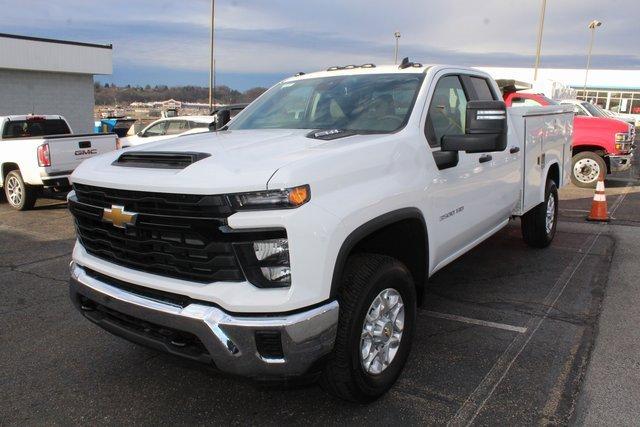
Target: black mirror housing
[485,129]
[222,118]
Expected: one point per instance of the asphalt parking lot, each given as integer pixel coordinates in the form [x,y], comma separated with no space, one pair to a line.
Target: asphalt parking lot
[505,336]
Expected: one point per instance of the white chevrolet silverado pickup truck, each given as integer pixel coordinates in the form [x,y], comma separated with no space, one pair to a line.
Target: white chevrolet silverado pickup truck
[299,238]
[38,152]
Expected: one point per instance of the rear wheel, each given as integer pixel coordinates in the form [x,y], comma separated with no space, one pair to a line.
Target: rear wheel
[586,169]
[19,195]
[377,318]
[539,224]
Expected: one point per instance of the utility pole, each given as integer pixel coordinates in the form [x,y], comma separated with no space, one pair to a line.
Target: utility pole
[539,46]
[592,26]
[214,79]
[397,36]
[212,90]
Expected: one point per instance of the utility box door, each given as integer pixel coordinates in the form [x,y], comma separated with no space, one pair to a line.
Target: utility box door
[533,153]
[547,141]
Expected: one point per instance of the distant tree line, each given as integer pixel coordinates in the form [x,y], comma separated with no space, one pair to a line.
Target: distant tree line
[110,94]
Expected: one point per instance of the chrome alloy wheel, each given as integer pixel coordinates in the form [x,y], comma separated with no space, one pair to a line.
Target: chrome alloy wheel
[586,170]
[14,191]
[382,331]
[551,213]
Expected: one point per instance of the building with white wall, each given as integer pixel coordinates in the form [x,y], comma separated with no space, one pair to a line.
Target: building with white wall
[617,90]
[46,76]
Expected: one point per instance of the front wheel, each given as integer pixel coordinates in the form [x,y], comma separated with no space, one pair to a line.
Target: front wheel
[539,224]
[19,195]
[586,169]
[377,318]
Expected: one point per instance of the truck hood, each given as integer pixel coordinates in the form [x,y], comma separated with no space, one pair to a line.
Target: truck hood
[239,161]
[604,123]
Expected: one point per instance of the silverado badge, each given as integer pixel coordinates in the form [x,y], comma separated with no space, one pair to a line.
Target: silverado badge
[118,216]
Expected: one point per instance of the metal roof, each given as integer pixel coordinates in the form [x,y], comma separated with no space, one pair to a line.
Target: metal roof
[28,53]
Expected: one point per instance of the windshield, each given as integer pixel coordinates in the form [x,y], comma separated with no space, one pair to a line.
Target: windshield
[605,113]
[593,110]
[372,103]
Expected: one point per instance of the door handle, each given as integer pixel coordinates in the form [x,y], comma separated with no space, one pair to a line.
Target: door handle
[514,150]
[485,158]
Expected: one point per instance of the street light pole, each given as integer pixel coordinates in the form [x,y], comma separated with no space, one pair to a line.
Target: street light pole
[539,46]
[592,26]
[212,90]
[397,36]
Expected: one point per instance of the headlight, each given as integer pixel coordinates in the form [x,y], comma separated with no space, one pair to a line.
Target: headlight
[265,262]
[272,199]
[621,137]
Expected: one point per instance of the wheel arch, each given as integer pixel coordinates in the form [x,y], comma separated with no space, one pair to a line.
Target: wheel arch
[5,168]
[597,149]
[553,172]
[401,234]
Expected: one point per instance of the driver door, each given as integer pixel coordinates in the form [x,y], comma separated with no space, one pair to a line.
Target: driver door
[459,196]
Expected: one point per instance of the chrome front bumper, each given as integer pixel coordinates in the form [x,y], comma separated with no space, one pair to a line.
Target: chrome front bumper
[620,163]
[207,333]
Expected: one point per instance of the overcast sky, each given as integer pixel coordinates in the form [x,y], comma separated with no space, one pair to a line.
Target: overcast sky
[258,42]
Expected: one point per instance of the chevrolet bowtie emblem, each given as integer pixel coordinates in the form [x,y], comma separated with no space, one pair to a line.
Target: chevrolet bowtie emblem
[118,216]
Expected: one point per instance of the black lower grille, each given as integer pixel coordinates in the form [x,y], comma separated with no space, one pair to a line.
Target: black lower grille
[193,249]
[178,342]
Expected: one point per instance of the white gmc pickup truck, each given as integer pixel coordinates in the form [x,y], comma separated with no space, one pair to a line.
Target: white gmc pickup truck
[38,152]
[299,238]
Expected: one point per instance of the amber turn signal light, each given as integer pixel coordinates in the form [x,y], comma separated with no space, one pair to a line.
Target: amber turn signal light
[299,195]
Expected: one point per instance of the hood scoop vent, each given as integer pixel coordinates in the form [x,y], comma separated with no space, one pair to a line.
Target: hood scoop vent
[330,134]
[159,159]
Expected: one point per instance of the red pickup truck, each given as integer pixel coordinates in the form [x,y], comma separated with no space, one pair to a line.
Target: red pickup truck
[598,143]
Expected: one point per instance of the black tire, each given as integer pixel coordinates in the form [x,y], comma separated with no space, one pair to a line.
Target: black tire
[28,194]
[364,278]
[593,172]
[534,222]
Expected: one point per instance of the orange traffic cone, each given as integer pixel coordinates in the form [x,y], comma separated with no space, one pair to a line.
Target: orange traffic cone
[599,210]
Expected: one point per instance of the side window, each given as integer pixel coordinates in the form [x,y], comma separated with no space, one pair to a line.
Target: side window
[578,110]
[483,91]
[176,127]
[447,110]
[524,102]
[156,130]
[196,125]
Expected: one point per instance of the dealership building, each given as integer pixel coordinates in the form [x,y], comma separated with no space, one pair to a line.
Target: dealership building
[47,76]
[617,90]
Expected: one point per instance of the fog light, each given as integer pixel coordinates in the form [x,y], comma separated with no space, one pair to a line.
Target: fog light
[265,263]
[281,274]
[273,259]
[272,250]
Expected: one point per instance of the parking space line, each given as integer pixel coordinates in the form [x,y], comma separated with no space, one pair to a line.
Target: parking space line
[574,210]
[620,199]
[456,318]
[468,412]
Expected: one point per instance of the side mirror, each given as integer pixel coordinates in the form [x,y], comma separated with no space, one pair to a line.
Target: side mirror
[222,118]
[485,129]
[140,134]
